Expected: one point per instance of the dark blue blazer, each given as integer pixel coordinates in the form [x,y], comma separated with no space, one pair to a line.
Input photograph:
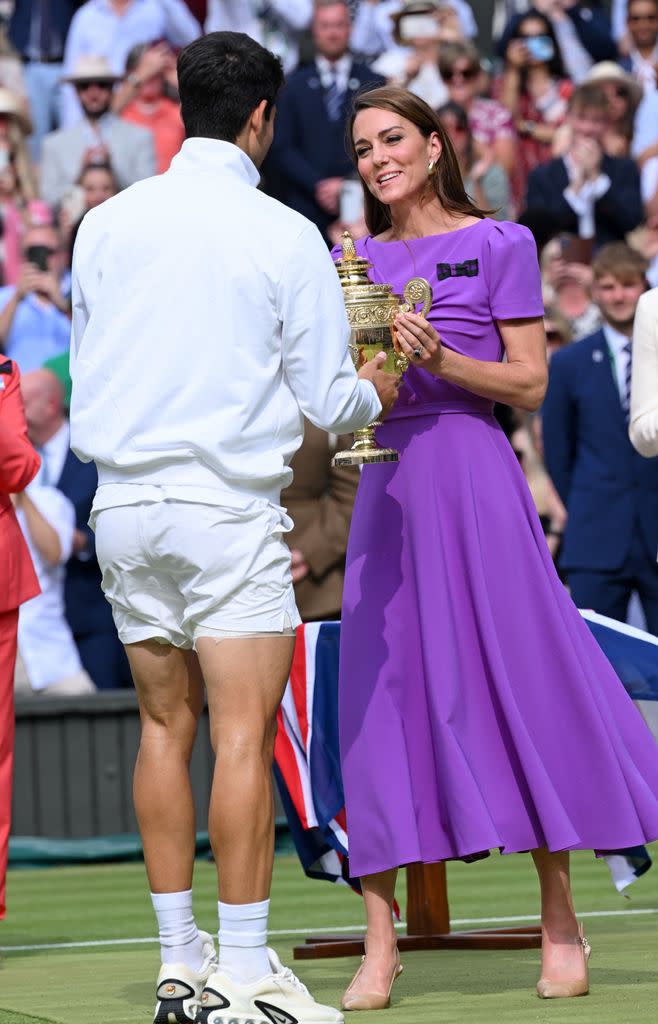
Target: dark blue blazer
[87,611]
[609,490]
[308,146]
[615,214]
[61,12]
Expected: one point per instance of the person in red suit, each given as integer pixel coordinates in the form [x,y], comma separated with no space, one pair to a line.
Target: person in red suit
[19,464]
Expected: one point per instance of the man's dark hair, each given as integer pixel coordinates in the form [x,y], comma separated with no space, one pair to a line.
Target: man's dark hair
[222,78]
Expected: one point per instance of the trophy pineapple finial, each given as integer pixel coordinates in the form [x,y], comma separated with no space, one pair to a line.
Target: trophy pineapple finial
[348,246]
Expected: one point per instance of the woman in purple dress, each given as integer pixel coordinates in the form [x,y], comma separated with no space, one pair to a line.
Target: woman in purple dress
[476,710]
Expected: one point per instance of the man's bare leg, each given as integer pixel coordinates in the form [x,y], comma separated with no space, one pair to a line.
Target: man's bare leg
[245,680]
[170,693]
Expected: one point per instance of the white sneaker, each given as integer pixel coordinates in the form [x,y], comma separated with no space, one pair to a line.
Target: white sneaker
[179,988]
[278,998]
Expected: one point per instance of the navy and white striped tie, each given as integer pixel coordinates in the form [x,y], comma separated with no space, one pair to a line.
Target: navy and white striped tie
[626,400]
[333,99]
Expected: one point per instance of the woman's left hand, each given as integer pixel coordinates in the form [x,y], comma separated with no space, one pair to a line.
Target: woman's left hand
[419,341]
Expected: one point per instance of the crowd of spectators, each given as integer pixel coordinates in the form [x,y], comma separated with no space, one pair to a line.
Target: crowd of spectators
[555,125]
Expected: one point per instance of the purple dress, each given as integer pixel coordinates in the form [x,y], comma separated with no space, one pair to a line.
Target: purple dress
[476,709]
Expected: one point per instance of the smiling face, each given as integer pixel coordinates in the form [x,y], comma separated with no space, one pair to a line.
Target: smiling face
[617,297]
[392,155]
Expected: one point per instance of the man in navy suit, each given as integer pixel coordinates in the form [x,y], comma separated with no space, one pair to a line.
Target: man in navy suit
[308,161]
[588,193]
[610,492]
[642,29]
[87,612]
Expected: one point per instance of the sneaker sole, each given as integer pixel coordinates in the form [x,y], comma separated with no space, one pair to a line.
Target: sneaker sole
[221,1017]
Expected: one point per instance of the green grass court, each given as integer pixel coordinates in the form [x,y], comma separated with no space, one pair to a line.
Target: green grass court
[113,984]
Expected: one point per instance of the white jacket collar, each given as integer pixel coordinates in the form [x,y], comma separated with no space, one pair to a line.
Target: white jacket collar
[212,155]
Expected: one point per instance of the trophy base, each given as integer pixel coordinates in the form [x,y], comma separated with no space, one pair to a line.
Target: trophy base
[365,457]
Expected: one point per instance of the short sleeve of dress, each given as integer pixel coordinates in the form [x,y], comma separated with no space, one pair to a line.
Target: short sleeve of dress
[513,273]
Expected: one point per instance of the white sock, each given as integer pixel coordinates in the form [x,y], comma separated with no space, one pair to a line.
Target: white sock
[243,941]
[180,942]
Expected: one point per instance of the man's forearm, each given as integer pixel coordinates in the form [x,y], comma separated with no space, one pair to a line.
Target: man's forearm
[43,535]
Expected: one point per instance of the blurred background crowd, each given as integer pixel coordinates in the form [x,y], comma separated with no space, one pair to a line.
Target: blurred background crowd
[553,113]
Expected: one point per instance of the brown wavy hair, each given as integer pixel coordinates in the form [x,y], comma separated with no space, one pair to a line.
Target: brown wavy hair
[446,181]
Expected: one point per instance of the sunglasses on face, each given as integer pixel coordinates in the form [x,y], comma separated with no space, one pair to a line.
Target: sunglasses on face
[468,74]
[554,336]
[99,83]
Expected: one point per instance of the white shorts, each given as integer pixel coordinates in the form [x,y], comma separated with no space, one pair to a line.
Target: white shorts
[174,571]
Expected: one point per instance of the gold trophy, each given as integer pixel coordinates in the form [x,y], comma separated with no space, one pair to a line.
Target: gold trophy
[371,310]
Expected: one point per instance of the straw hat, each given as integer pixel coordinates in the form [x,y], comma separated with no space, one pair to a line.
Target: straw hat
[91,69]
[11,106]
[609,71]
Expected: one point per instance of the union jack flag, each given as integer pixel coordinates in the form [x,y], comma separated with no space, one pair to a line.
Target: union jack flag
[307,759]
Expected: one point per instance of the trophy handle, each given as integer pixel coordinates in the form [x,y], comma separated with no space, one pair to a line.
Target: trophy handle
[418,289]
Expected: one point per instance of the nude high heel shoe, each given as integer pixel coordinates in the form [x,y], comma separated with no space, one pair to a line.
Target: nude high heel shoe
[371,1000]
[547,989]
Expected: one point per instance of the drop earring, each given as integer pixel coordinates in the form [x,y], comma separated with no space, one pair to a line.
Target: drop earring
[431,167]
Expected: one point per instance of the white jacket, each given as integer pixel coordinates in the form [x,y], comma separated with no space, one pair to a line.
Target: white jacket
[208,319]
[644,383]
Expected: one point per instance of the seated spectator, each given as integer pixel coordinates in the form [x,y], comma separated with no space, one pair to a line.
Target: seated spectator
[155,59]
[110,29]
[320,501]
[567,287]
[374,26]
[48,662]
[582,32]
[623,95]
[99,137]
[591,195]
[535,88]
[152,108]
[87,612]
[308,159]
[485,181]
[17,184]
[34,325]
[41,54]
[642,59]
[419,28]
[276,25]
[557,330]
[98,183]
[490,122]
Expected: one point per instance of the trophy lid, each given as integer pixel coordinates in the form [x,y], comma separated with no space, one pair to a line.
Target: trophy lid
[353,269]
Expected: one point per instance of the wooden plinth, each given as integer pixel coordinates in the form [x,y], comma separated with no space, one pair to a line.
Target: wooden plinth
[428,924]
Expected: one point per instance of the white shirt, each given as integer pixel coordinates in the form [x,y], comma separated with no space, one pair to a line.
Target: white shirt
[645,70]
[207,320]
[582,202]
[338,70]
[644,385]
[97,30]
[616,344]
[44,637]
[278,31]
[53,456]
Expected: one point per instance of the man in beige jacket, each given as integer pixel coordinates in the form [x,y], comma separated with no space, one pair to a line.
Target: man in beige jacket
[643,428]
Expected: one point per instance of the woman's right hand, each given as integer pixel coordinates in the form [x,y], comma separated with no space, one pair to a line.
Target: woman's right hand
[517,54]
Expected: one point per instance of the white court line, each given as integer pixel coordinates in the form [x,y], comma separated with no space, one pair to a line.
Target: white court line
[324,929]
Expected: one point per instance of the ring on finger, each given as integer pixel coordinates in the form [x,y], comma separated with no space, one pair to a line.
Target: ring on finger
[418,352]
